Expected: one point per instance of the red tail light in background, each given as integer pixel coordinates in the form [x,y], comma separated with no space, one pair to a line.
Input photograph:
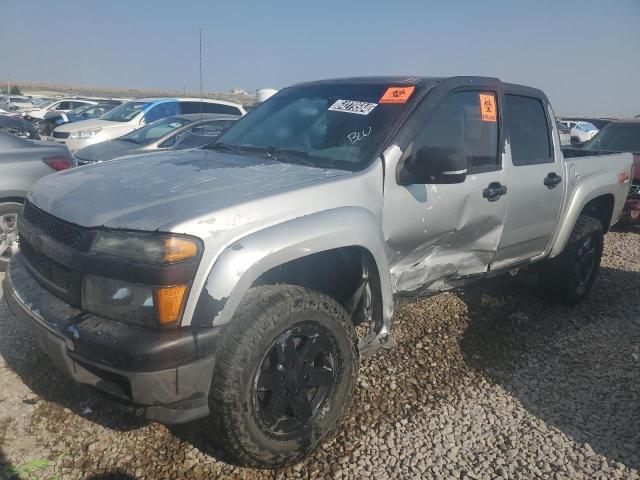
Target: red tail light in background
[58,162]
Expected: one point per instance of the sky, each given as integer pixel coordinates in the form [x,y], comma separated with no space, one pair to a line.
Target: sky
[584,54]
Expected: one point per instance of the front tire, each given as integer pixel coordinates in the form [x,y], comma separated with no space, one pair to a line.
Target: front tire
[569,277]
[284,376]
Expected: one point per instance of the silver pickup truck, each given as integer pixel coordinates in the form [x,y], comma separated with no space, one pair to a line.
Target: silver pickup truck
[224,283]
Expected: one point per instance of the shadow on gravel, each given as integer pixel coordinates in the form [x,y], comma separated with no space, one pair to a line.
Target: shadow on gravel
[23,355]
[576,368]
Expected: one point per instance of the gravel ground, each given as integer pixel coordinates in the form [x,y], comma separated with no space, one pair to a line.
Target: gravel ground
[487,383]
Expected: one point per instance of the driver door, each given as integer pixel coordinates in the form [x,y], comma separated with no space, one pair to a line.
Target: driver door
[437,234]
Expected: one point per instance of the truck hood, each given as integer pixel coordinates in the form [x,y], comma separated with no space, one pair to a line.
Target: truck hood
[149,192]
[109,150]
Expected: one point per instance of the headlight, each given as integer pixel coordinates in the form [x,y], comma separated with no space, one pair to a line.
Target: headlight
[145,247]
[88,133]
[132,303]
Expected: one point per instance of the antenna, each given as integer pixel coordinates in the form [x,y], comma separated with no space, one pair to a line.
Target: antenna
[201,105]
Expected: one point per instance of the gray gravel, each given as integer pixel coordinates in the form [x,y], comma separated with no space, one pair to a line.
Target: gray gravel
[492,382]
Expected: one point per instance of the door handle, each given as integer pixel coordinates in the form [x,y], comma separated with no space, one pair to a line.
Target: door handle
[494,191]
[552,180]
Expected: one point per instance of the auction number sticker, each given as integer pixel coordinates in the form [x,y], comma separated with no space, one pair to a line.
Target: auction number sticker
[487,107]
[353,106]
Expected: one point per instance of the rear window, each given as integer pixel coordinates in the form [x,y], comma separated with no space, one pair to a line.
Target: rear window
[194,107]
[617,137]
[528,130]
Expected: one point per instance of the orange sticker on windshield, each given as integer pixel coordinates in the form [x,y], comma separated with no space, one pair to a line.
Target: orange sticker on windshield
[396,95]
[488,107]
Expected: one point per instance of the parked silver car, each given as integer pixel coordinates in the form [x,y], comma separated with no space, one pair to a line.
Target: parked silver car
[22,163]
[171,133]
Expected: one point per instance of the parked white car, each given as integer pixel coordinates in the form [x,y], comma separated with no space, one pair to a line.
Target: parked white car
[59,105]
[132,115]
[583,132]
[16,102]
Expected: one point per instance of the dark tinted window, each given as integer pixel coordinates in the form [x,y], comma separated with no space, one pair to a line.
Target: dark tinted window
[162,110]
[617,137]
[194,107]
[526,123]
[64,106]
[458,122]
[201,134]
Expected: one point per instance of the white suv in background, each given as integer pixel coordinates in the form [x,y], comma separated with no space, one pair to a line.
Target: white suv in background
[132,115]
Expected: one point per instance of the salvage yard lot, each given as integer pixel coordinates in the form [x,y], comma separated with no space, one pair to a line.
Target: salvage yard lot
[488,382]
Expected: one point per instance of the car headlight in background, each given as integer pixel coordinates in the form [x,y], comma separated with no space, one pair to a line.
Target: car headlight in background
[88,133]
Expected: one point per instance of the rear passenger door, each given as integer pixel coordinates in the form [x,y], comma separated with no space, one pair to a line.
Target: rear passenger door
[535,180]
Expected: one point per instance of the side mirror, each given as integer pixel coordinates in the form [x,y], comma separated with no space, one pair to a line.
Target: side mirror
[434,165]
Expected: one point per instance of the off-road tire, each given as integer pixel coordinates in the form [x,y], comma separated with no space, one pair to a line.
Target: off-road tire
[266,313]
[559,277]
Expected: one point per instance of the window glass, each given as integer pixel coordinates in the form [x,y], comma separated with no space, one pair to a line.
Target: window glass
[526,123]
[194,107]
[341,125]
[200,134]
[63,106]
[125,112]
[162,110]
[155,130]
[458,122]
[617,137]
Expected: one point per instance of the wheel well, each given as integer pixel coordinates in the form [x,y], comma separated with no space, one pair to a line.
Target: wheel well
[600,208]
[337,272]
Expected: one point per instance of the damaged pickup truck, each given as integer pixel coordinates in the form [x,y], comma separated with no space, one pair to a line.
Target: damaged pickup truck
[224,283]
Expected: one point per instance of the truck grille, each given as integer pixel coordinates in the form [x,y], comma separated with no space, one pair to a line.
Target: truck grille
[57,274]
[60,134]
[60,231]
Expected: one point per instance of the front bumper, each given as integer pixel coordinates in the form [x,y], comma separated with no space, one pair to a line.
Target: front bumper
[163,375]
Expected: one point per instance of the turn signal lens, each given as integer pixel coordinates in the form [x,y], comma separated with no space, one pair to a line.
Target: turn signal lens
[169,303]
[176,249]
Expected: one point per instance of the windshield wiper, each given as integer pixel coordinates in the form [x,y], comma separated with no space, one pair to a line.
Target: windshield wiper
[277,153]
[224,147]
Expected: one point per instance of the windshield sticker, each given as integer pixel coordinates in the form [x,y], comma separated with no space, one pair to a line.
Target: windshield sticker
[487,107]
[396,95]
[353,106]
[355,137]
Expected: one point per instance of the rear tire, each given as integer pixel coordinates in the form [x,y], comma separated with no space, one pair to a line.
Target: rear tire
[284,376]
[9,212]
[569,277]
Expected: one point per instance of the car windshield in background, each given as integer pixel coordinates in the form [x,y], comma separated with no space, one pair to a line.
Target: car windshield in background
[617,137]
[155,130]
[81,109]
[126,111]
[341,125]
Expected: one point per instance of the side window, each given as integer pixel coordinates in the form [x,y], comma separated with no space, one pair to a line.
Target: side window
[63,106]
[194,107]
[200,135]
[163,110]
[468,122]
[528,129]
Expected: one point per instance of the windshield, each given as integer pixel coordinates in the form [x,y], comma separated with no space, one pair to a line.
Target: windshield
[126,111]
[617,137]
[155,130]
[81,109]
[341,125]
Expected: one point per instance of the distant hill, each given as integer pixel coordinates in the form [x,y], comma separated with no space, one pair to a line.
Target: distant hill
[46,88]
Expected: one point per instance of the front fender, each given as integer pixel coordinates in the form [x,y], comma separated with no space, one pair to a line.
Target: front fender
[239,265]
